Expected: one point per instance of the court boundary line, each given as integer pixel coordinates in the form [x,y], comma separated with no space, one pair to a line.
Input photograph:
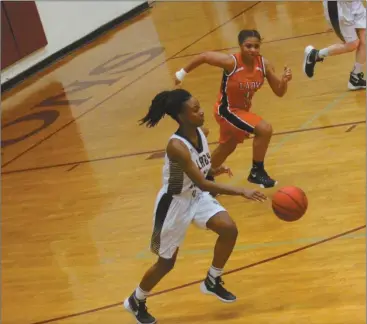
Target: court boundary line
[251,265]
[127,155]
[16,157]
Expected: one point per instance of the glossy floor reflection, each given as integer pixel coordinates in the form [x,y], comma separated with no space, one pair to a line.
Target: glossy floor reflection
[80,177]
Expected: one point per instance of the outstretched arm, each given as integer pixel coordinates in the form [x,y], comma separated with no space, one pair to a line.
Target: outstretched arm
[222,60]
[178,152]
[278,85]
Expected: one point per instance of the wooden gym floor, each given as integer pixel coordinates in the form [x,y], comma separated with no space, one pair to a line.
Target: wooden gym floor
[78,194]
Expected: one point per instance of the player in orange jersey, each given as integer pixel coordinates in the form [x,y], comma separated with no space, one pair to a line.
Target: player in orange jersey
[243,74]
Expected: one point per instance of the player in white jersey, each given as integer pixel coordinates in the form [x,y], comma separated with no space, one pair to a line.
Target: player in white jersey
[348,19]
[184,199]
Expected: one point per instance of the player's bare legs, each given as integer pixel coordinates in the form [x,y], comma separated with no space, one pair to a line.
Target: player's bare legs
[356,79]
[263,133]
[258,175]
[156,272]
[227,232]
[338,49]
[222,151]
[361,50]
[136,303]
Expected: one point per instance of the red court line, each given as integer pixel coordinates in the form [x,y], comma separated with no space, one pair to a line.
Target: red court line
[265,42]
[121,156]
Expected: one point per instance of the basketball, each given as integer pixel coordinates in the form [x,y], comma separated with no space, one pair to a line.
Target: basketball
[289,203]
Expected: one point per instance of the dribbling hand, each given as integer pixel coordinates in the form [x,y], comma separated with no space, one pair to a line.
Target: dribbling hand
[253,195]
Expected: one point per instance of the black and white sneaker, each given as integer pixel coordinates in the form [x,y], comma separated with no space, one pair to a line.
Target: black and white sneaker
[139,309]
[260,177]
[356,81]
[311,57]
[214,286]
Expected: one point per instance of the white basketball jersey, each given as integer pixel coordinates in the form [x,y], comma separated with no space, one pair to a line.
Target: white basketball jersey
[175,180]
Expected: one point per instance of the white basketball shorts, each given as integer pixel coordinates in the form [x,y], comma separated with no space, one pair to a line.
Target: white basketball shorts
[345,17]
[174,214]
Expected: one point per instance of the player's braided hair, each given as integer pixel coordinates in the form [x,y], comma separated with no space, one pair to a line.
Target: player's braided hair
[165,102]
[246,33]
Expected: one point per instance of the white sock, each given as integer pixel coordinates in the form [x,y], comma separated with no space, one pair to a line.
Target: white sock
[215,272]
[141,294]
[357,68]
[323,52]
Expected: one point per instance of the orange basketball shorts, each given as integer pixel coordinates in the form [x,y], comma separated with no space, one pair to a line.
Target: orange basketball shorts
[236,124]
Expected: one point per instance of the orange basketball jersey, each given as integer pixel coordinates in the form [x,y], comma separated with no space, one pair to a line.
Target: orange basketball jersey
[238,87]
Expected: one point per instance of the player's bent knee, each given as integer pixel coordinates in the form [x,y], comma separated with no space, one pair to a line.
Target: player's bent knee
[227,230]
[166,264]
[264,129]
[230,231]
[223,225]
[352,46]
